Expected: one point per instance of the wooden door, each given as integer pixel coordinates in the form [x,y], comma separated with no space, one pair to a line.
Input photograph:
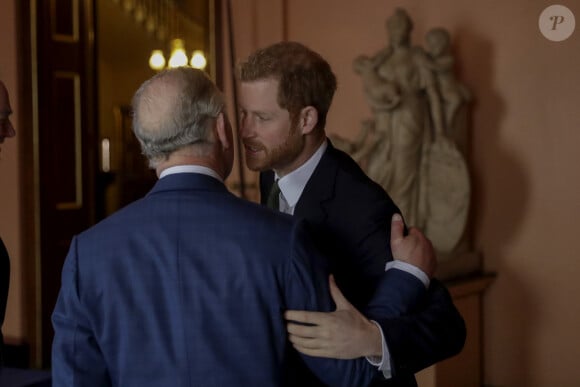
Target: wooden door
[67,141]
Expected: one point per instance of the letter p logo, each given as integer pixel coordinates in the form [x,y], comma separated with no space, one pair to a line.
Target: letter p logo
[557,20]
[556,23]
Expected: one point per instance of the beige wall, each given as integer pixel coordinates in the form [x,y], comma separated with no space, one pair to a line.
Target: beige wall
[525,135]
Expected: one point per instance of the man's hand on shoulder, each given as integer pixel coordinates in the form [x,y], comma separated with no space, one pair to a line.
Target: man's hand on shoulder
[414,249]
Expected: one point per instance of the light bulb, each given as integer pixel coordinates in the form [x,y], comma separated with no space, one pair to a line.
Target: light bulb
[157,60]
[128,5]
[178,57]
[139,13]
[198,60]
[150,23]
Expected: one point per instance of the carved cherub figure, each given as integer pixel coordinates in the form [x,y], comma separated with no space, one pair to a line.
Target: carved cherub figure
[441,62]
[381,94]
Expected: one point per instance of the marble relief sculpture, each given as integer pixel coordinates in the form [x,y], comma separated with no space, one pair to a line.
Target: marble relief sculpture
[415,143]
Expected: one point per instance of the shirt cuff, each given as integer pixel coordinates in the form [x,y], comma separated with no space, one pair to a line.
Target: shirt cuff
[414,270]
[382,363]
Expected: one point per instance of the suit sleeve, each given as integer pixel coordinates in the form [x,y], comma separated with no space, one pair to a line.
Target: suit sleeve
[423,329]
[433,332]
[398,293]
[76,357]
[307,289]
[420,328]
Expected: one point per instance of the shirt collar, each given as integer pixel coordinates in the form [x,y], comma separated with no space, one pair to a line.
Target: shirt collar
[190,169]
[292,184]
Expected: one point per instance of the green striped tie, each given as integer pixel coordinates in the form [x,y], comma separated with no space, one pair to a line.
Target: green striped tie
[274,197]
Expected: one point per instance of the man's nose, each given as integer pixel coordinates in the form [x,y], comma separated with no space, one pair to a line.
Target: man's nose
[245,127]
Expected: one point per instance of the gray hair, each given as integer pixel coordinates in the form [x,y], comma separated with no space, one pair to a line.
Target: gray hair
[174,109]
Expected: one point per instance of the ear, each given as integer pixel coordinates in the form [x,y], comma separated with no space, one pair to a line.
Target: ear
[308,119]
[222,128]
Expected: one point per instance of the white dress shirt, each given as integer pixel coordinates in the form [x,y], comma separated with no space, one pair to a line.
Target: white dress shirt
[190,169]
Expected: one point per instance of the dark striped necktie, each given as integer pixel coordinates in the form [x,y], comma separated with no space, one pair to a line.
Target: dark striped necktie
[274,197]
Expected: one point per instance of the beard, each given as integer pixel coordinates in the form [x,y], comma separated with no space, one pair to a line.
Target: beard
[260,158]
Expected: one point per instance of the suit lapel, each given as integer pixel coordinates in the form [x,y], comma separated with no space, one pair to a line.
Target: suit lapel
[319,189]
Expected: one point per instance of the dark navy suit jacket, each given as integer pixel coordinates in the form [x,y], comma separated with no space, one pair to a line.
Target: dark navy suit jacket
[187,287]
[351,216]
